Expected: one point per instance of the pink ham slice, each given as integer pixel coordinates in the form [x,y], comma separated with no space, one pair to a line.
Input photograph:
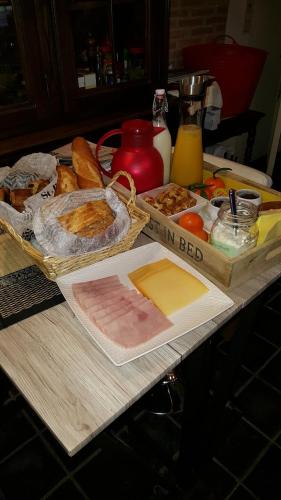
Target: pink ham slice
[109,280]
[122,314]
[137,326]
[87,298]
[104,317]
[109,303]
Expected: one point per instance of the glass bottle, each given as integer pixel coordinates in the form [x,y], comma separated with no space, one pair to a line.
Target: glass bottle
[125,76]
[187,164]
[91,53]
[235,234]
[100,79]
[162,141]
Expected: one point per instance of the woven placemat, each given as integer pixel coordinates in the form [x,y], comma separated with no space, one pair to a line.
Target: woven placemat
[24,293]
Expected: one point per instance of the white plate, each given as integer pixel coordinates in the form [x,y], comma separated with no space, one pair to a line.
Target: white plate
[202,310]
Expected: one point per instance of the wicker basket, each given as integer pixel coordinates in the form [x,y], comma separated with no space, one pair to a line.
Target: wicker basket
[56,266]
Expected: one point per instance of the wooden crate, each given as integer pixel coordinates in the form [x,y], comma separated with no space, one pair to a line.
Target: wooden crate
[223,271]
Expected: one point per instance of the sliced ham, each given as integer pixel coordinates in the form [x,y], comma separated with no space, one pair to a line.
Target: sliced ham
[86,299]
[122,314]
[118,312]
[104,317]
[102,282]
[110,301]
[134,329]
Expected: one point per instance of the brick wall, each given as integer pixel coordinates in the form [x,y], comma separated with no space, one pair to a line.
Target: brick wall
[194,21]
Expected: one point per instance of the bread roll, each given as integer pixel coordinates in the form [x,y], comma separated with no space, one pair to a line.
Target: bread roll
[38,185]
[4,194]
[18,196]
[67,180]
[85,165]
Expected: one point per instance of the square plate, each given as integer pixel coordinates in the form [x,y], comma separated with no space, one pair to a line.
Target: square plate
[199,312]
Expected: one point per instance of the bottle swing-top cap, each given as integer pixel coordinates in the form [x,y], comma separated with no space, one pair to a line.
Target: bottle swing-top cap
[160,92]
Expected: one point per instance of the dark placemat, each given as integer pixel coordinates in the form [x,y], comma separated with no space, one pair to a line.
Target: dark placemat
[24,293]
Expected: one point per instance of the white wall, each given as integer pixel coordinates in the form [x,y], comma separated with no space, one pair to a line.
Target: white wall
[263,30]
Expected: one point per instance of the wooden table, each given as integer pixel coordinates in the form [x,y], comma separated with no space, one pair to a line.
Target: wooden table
[67,379]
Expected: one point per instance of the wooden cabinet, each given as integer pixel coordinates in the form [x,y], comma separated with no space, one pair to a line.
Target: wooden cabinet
[28,90]
[65,61]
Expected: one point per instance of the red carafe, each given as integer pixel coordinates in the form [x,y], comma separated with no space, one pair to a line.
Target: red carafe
[136,155]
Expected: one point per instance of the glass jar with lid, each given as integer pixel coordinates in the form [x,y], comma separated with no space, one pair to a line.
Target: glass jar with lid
[235,234]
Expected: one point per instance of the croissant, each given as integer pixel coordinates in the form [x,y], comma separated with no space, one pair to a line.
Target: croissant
[85,165]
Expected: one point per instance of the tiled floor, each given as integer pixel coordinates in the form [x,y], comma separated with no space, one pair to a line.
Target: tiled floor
[135,459]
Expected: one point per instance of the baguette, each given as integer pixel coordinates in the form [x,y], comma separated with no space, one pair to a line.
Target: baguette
[67,180]
[85,165]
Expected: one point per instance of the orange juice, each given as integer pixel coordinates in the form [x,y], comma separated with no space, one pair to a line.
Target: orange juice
[187,165]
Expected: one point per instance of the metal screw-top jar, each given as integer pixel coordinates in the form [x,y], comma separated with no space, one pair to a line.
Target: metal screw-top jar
[234,234]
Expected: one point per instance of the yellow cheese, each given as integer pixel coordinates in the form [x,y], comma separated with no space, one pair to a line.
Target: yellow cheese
[167,285]
[269,225]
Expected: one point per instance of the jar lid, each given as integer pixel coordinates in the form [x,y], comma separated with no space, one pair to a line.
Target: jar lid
[246,214]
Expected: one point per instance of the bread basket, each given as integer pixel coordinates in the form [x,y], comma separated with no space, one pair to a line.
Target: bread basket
[53,267]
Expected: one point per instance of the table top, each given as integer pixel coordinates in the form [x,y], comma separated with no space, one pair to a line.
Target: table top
[69,381]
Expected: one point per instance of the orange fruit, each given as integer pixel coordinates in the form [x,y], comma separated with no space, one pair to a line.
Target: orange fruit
[191,221]
[201,233]
[219,192]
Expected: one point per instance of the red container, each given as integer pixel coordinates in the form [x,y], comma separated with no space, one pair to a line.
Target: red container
[237,69]
[137,155]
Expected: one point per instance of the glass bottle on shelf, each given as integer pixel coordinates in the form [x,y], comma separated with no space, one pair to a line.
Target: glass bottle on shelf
[91,53]
[118,69]
[100,79]
[125,76]
[162,141]
[187,164]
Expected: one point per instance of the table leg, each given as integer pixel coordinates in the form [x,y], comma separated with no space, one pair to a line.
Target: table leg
[206,395]
[196,372]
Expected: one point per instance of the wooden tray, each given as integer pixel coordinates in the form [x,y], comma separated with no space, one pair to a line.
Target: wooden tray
[223,271]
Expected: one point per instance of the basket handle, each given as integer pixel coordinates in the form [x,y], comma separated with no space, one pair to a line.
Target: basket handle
[132,198]
[224,37]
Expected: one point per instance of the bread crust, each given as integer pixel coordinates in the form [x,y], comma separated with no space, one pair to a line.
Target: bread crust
[4,194]
[38,185]
[85,165]
[67,180]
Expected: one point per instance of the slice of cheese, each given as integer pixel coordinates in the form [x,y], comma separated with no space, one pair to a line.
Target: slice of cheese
[167,285]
